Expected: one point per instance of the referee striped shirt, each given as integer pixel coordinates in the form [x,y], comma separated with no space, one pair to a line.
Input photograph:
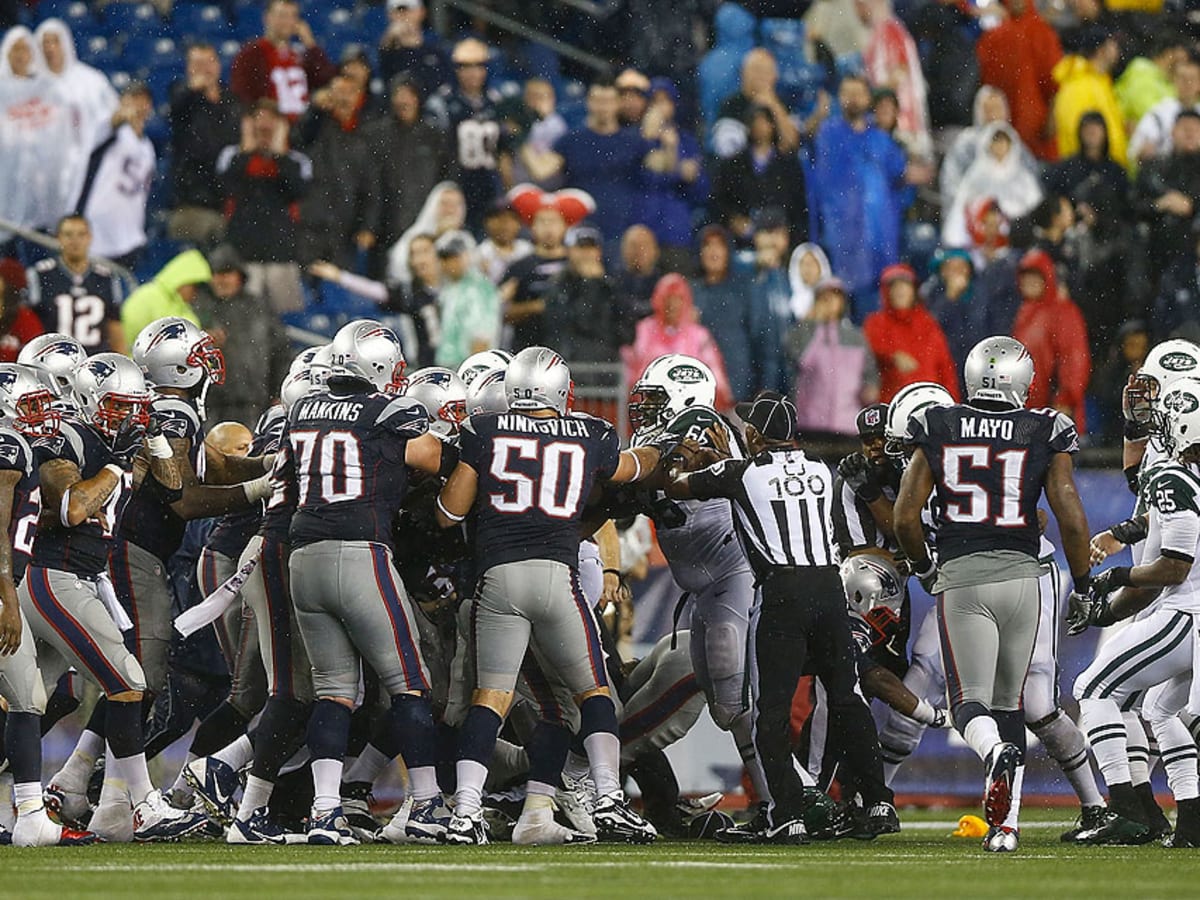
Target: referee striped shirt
[782,503]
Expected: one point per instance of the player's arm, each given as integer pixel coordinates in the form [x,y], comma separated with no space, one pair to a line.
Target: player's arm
[609,543]
[721,479]
[1072,520]
[201,501]
[10,611]
[70,499]
[458,496]
[225,468]
[915,487]
[428,454]
[636,464]
[880,682]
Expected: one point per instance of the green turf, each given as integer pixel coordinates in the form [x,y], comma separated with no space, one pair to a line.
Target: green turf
[923,863]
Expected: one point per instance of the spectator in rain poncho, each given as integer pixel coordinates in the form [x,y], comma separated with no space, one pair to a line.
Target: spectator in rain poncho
[809,266]
[35,136]
[891,60]
[87,95]
[719,71]
[1002,170]
[990,106]
[445,210]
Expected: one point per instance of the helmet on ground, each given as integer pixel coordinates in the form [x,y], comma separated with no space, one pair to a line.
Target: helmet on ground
[176,353]
[670,384]
[109,388]
[27,402]
[909,401]
[56,356]
[538,378]
[368,351]
[444,397]
[1000,369]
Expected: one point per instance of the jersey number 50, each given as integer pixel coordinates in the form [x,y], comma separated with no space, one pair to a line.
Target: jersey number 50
[559,462]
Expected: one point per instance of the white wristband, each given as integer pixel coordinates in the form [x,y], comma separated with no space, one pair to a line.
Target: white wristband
[258,489]
[116,470]
[159,447]
[924,713]
[637,472]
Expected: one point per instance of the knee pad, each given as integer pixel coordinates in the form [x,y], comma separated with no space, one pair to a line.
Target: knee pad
[132,670]
[725,716]
[725,651]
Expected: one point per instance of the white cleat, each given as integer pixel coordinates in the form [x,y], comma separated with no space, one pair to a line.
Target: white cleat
[575,801]
[543,831]
[1000,839]
[113,822]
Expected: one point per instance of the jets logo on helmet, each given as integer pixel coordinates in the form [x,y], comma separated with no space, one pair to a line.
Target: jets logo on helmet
[670,384]
[485,361]
[1178,362]
[909,401]
[1165,364]
[1181,411]
[27,402]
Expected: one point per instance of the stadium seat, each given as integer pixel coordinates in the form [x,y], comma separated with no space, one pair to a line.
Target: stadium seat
[80,20]
[132,18]
[57,9]
[374,21]
[201,21]
[248,22]
[96,51]
[144,52]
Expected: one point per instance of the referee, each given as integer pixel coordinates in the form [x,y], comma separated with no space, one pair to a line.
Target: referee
[782,502]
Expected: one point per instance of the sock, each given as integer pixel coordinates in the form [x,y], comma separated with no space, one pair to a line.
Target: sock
[1066,745]
[1137,748]
[982,735]
[1011,726]
[114,789]
[367,766]
[123,724]
[237,754]
[328,730]
[23,744]
[423,784]
[327,783]
[27,797]
[598,726]
[1014,811]
[471,775]
[97,720]
[219,729]
[547,751]
[73,776]
[539,802]
[1101,722]
[447,738]
[256,796]
[1179,756]
[278,735]
[477,737]
[132,769]
[576,766]
[413,731]
[740,728]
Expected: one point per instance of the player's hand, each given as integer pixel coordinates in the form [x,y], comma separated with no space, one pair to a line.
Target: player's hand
[610,594]
[1102,546]
[128,440]
[858,472]
[927,575]
[942,719]
[10,627]
[1079,613]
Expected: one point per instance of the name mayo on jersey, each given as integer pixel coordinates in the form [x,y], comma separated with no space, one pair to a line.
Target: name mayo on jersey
[572,428]
[989,429]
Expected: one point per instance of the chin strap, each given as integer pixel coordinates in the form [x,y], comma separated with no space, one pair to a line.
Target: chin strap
[201,408]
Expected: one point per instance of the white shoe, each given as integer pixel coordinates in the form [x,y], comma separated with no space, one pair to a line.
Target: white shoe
[575,801]
[539,829]
[394,831]
[617,823]
[112,822]
[154,819]
[68,806]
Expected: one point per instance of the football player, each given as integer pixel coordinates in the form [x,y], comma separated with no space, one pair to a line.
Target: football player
[526,474]
[56,356]
[988,475]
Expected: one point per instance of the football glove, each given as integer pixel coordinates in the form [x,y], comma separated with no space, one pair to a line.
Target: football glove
[1085,611]
[127,441]
[858,472]
[927,576]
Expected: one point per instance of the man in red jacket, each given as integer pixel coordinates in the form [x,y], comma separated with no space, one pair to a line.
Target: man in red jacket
[1052,329]
[1018,56]
[906,339]
[271,67]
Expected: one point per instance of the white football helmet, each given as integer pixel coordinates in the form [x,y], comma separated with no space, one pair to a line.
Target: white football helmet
[1181,412]
[444,397]
[910,400]
[109,388]
[1165,364]
[174,352]
[875,591]
[296,385]
[368,351]
[538,378]
[27,402]
[1000,369]
[486,394]
[56,356]
[484,361]
[670,384]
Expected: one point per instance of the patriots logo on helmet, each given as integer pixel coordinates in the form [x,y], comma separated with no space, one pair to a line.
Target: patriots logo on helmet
[1178,362]
[685,374]
[102,369]
[58,347]
[173,330]
[437,378]
[385,333]
[8,379]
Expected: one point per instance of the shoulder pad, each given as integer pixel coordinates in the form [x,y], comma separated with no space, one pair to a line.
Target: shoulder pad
[15,452]
[697,420]
[102,270]
[176,416]
[270,420]
[405,416]
[45,265]
[1175,489]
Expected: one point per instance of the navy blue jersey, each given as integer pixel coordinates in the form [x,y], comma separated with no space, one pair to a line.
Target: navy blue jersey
[989,468]
[76,305]
[148,521]
[535,474]
[17,456]
[82,550]
[234,530]
[479,135]
[344,456]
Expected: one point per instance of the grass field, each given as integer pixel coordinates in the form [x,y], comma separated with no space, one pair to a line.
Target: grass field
[923,862]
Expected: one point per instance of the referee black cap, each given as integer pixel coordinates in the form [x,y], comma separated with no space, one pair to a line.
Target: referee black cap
[870,420]
[772,415]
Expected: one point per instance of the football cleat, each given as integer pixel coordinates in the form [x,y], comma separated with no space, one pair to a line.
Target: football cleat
[156,820]
[330,829]
[259,829]
[5,837]
[393,831]
[36,829]
[427,821]
[748,833]
[1100,825]
[575,801]
[68,807]
[791,832]
[356,804]
[465,830]
[542,832]
[617,823]
[689,807]
[113,822]
[997,795]
[1000,839]
[882,819]
[215,782]
[1152,814]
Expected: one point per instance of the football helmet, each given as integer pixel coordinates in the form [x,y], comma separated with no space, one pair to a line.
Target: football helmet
[1165,363]
[1181,411]
[368,351]
[109,388]
[875,591]
[296,385]
[484,361]
[670,384]
[1000,369]
[56,356]
[444,397]
[538,378]
[27,402]
[910,400]
[176,353]
[486,394]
